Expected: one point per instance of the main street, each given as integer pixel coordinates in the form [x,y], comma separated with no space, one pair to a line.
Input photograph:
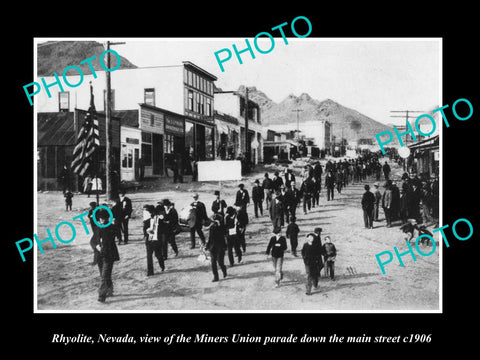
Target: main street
[67,281]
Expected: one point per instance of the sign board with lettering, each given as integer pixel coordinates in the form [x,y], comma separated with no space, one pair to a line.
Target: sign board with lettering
[174,126]
[219,170]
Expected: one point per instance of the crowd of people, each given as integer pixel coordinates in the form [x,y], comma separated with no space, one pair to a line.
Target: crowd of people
[276,196]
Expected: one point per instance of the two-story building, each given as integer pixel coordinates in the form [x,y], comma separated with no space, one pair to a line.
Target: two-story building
[174,112]
[231,105]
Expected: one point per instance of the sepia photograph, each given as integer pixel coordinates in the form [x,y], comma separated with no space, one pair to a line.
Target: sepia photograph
[270,175]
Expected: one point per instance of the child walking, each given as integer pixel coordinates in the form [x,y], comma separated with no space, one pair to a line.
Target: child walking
[330,254]
[68,200]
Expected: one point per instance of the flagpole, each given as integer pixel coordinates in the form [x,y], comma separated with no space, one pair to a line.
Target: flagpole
[108,126]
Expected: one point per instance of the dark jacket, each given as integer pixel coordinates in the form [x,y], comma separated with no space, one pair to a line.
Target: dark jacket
[242,218]
[311,255]
[308,187]
[329,250]
[106,239]
[289,178]
[257,193]
[292,231]
[277,182]
[216,238]
[330,180]
[219,206]
[277,246]
[290,198]
[317,171]
[276,211]
[242,198]
[126,207]
[267,184]
[200,213]
[368,201]
[171,221]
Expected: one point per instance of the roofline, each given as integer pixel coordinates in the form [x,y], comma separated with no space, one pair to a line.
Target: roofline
[161,109]
[198,68]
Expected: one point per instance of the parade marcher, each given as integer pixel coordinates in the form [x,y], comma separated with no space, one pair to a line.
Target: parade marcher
[317,185]
[317,171]
[312,258]
[277,181]
[155,239]
[339,180]
[108,254]
[242,222]
[276,211]
[199,215]
[117,220]
[126,213]
[378,197]
[289,177]
[243,198]
[216,245]
[386,170]
[277,247]
[292,234]
[267,186]
[257,198]
[218,205]
[307,190]
[330,184]
[231,232]
[65,177]
[93,205]
[330,254]
[404,202]
[415,199]
[395,201]
[387,202]
[290,203]
[426,202]
[318,238]
[171,227]
[68,199]
[368,205]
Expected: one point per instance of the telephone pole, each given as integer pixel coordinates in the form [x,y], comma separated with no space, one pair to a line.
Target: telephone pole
[406,113]
[298,127]
[108,127]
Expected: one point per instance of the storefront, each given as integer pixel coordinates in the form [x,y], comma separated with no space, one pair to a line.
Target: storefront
[130,153]
[199,140]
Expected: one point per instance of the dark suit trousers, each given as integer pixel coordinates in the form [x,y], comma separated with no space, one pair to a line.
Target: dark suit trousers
[106,285]
[312,276]
[154,247]
[198,229]
[368,218]
[330,192]
[124,228]
[257,205]
[233,243]
[218,257]
[169,239]
[307,203]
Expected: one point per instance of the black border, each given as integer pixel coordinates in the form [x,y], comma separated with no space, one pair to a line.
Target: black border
[455,26]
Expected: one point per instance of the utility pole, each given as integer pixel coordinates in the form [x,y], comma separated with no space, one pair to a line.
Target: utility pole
[406,124]
[108,127]
[298,127]
[247,143]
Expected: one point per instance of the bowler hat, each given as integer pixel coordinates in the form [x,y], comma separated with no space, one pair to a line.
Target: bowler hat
[216,192]
[318,229]
[166,202]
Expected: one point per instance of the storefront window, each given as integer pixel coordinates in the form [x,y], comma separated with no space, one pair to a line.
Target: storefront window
[208,143]
[147,148]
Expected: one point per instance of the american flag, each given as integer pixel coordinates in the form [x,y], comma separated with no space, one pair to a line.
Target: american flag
[88,140]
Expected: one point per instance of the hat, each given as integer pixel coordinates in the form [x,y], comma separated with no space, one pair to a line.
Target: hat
[102,214]
[367,187]
[166,202]
[149,208]
[121,191]
[277,230]
[218,217]
[241,186]
[276,173]
[160,203]
[93,204]
[195,196]
[216,192]
[257,181]
[318,229]
[376,184]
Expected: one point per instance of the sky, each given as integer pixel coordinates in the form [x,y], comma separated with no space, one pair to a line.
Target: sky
[372,76]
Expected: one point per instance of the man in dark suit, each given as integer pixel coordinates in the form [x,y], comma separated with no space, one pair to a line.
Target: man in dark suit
[257,197]
[243,198]
[216,245]
[267,186]
[219,205]
[290,202]
[108,253]
[289,178]
[126,213]
[277,181]
[276,211]
[200,215]
[330,184]
[117,220]
[368,205]
[171,224]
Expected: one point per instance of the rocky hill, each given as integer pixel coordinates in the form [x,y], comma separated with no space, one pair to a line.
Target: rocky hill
[355,125]
[55,56]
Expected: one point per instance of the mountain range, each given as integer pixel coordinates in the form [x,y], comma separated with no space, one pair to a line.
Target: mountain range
[355,125]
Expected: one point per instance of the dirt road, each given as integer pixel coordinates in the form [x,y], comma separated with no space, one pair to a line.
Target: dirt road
[67,281]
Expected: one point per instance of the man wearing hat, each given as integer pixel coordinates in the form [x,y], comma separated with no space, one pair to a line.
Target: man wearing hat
[200,215]
[368,205]
[276,211]
[216,245]
[126,206]
[218,205]
[378,197]
[267,186]
[171,224]
[257,197]
[277,181]
[243,198]
[387,202]
[108,253]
